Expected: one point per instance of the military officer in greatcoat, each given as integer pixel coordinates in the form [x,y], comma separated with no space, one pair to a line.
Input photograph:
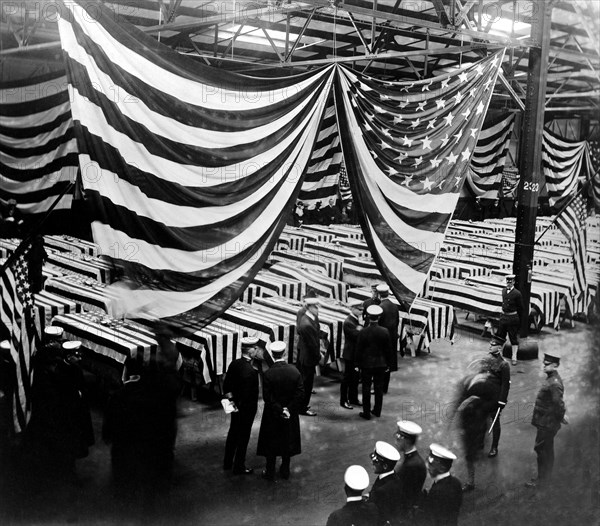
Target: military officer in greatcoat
[386,489]
[373,300]
[442,502]
[283,394]
[373,358]
[349,385]
[357,511]
[411,471]
[241,387]
[548,416]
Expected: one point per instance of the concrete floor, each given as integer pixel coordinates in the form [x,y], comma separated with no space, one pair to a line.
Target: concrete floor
[421,390]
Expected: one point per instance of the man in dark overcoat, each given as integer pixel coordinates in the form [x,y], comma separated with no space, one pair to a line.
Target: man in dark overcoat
[390,318]
[349,385]
[309,350]
[283,394]
[373,358]
[241,387]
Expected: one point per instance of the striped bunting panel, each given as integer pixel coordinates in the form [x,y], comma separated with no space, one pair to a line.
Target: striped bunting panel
[322,177]
[194,167]
[408,149]
[38,149]
[484,177]
[562,161]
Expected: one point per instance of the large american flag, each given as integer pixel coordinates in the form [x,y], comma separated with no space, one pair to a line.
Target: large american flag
[572,223]
[190,171]
[19,316]
[407,146]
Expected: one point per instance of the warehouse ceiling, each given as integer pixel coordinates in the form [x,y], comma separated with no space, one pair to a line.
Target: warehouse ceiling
[391,39]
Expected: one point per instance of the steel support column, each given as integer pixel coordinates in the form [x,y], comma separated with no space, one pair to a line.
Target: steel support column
[530,158]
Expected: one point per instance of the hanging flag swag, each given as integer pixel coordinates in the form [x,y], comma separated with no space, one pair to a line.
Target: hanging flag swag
[190,171]
[38,149]
[407,146]
[484,177]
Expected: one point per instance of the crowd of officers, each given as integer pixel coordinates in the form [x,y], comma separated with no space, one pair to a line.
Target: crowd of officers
[140,418]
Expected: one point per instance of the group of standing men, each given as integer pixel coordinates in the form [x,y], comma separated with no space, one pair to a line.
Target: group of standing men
[397,497]
[371,348]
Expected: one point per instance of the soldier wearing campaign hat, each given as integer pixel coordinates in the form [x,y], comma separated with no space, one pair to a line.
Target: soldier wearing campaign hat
[411,471]
[373,350]
[386,489]
[512,310]
[548,415]
[283,394]
[351,328]
[241,387]
[357,511]
[443,501]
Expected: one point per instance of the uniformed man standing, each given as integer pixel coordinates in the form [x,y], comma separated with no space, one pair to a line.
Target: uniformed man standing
[412,471]
[390,318]
[356,511]
[241,387]
[373,300]
[512,310]
[548,415]
[499,375]
[349,385]
[385,491]
[373,357]
[283,394]
[309,350]
[443,501]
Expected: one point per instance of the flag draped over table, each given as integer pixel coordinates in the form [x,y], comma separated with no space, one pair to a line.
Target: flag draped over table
[484,177]
[321,179]
[38,149]
[407,146]
[191,171]
[562,164]
[572,223]
[18,315]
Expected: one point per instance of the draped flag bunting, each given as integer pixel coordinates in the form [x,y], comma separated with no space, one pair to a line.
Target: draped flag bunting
[19,317]
[594,151]
[38,149]
[190,171]
[484,177]
[321,179]
[407,150]
[572,223]
[562,163]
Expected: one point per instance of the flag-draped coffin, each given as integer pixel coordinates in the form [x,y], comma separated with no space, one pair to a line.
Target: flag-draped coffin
[190,171]
[38,149]
[406,147]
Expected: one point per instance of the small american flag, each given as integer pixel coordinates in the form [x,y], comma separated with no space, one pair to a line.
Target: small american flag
[344,184]
[572,223]
[18,315]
